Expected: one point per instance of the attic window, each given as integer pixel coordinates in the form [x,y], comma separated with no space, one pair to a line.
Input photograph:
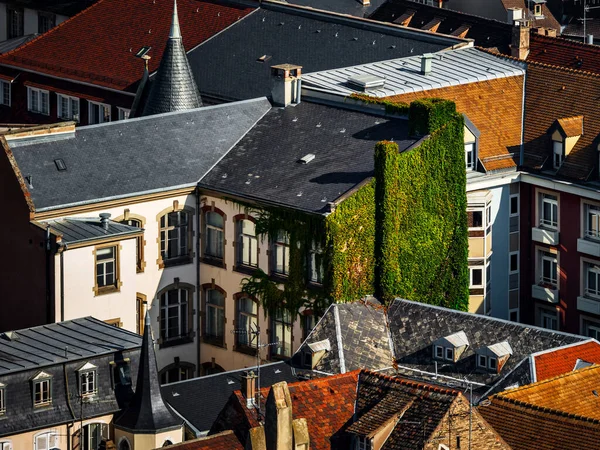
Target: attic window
[60,164]
[558,154]
[263,58]
[450,348]
[537,10]
[306,158]
[493,357]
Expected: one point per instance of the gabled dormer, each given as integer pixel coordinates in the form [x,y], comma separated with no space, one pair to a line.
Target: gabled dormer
[492,358]
[565,133]
[450,348]
[315,351]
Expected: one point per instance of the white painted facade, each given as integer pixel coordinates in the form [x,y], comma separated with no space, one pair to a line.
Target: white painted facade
[30,21]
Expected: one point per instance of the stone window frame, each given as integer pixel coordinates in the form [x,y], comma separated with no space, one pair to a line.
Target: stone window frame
[244,348]
[238,265]
[182,338]
[40,379]
[140,240]
[177,364]
[116,286]
[211,259]
[180,260]
[205,337]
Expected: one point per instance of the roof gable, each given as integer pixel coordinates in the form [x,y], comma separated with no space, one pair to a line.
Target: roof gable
[562,360]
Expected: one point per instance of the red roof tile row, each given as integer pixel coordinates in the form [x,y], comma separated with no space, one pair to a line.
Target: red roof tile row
[562,360]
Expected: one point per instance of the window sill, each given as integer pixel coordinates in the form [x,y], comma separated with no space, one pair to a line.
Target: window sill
[175,262]
[176,341]
[278,277]
[314,286]
[248,270]
[588,246]
[106,290]
[245,349]
[216,342]
[43,407]
[211,261]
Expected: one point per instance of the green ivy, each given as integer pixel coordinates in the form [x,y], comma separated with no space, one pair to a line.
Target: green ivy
[392,108]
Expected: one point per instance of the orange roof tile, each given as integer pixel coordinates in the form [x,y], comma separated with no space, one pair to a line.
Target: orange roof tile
[562,360]
[221,441]
[495,108]
[575,393]
[572,126]
[564,52]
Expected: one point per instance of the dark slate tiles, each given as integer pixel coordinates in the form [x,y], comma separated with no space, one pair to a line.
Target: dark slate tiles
[84,229]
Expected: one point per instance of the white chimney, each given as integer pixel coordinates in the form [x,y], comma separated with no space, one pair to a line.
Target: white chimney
[590,39]
[287,84]
[514,15]
[426,63]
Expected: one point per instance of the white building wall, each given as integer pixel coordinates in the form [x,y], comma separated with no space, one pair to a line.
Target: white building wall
[30,25]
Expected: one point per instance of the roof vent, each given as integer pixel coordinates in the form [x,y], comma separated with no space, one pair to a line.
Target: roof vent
[426,63]
[306,158]
[366,82]
[10,336]
[60,164]
[104,220]
[263,58]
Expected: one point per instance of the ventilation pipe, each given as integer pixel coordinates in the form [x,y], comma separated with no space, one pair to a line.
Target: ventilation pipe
[426,63]
[104,220]
[590,39]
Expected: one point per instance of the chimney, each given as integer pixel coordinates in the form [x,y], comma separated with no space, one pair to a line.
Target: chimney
[365,2]
[519,47]
[287,82]
[249,388]
[104,220]
[590,39]
[426,60]
[514,15]
[278,418]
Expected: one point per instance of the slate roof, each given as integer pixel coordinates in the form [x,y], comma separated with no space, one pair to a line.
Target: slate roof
[147,412]
[564,52]
[78,230]
[486,32]
[87,47]
[562,360]
[264,165]
[413,327]
[350,7]
[120,159]
[56,343]
[200,400]
[173,87]
[226,66]
[226,440]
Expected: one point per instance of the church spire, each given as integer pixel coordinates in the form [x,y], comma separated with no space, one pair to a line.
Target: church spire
[173,87]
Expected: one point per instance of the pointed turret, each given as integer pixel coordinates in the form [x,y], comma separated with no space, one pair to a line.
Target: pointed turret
[147,413]
[173,88]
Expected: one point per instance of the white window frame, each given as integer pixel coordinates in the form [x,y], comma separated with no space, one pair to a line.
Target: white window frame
[103,433]
[514,310]
[552,200]
[435,350]
[52,440]
[483,218]
[42,382]
[90,379]
[247,323]
[552,259]
[281,254]
[551,315]
[101,117]
[281,328]
[39,94]
[593,269]
[316,267]
[495,361]
[247,243]
[70,115]
[175,235]
[510,199]
[510,268]
[105,263]
[123,113]
[558,154]
[593,210]
[470,149]
[471,270]
[214,243]
[6,445]
[214,328]
[3,100]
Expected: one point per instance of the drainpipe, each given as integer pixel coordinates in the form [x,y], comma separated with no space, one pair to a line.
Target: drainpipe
[61,250]
[69,427]
[198,308]
[50,316]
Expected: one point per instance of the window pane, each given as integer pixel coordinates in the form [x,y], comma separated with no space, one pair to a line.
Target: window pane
[214,219]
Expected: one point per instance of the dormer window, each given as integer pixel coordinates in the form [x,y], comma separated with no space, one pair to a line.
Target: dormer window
[558,154]
[2,400]
[493,357]
[537,10]
[450,348]
[316,352]
[439,352]
[449,354]
[88,383]
[564,133]
[42,389]
[471,136]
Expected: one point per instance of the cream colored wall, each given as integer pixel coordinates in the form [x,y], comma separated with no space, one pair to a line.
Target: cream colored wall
[476,304]
[79,282]
[149,441]
[477,247]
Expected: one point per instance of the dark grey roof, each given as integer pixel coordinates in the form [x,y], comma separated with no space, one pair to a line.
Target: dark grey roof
[413,327]
[200,400]
[351,7]
[173,87]
[77,230]
[264,164]
[11,44]
[226,65]
[120,159]
[61,342]
[147,412]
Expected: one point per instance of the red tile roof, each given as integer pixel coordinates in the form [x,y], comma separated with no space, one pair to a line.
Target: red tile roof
[222,441]
[326,404]
[562,360]
[564,52]
[98,45]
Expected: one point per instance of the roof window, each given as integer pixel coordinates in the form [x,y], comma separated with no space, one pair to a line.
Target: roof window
[450,348]
[493,357]
[315,352]
[60,164]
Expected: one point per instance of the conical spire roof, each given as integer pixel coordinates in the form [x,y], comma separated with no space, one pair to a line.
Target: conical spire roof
[147,412]
[173,88]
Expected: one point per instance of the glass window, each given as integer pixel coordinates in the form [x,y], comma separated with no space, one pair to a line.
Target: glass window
[106,267]
[174,235]
[476,276]
[281,254]
[475,219]
[93,433]
[139,244]
[514,205]
[549,274]
[482,360]
[2,401]
[98,113]
[548,319]
[247,245]
[174,314]
[470,159]
[315,264]
[549,213]
[591,329]
[215,316]
[68,107]
[46,21]
[175,374]
[214,243]
[513,266]
[122,375]
[38,101]
[5,445]
[592,280]
[247,322]
[4,93]
[281,325]
[42,393]
[492,363]
[124,113]
[308,323]
[558,154]
[87,382]
[15,22]
[363,443]
[592,221]
[46,441]
[449,354]
[439,351]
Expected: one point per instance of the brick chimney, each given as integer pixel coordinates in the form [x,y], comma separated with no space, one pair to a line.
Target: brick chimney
[249,388]
[287,83]
[278,418]
[519,47]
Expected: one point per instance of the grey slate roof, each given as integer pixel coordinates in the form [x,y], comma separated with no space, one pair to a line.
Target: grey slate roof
[226,65]
[351,7]
[173,87]
[120,159]
[264,164]
[11,44]
[57,343]
[413,327]
[200,400]
[77,230]
[403,75]
[147,412]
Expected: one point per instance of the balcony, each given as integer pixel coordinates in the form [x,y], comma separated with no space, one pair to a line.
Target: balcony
[546,293]
[589,247]
[544,235]
[589,305]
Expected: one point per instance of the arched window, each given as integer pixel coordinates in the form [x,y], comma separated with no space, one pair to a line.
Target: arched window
[210,368]
[214,234]
[178,371]
[139,242]
[175,229]
[124,444]
[167,442]
[281,333]
[93,433]
[246,242]
[246,323]
[280,261]
[214,315]
[175,312]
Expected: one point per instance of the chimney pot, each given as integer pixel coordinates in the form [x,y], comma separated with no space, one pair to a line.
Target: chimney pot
[249,388]
[519,47]
[287,84]
[514,15]
[426,60]
[104,220]
[590,39]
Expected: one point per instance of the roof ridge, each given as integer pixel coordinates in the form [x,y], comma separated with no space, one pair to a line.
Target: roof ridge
[563,347]
[316,381]
[540,64]
[405,381]
[548,380]
[51,30]
[563,40]
[546,409]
